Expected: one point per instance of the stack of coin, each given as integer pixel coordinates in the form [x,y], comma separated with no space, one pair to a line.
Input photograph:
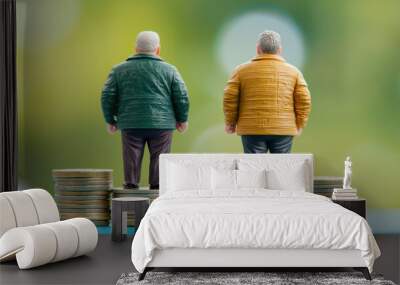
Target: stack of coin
[83,193]
[324,185]
[142,192]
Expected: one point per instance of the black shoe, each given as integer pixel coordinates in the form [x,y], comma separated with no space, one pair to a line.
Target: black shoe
[130,186]
[154,187]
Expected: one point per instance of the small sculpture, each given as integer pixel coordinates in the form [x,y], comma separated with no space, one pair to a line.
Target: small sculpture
[347,174]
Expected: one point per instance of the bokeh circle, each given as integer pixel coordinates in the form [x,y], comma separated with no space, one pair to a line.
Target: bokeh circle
[236,41]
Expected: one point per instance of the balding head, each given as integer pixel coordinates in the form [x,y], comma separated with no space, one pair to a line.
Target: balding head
[148,42]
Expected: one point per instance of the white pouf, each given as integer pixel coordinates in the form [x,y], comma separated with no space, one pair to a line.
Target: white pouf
[87,233]
[23,208]
[67,239]
[7,220]
[31,232]
[33,246]
[46,207]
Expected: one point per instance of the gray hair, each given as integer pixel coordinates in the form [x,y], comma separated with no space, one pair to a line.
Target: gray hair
[269,42]
[147,42]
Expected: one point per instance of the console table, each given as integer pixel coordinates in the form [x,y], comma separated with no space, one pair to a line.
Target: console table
[119,214]
[141,192]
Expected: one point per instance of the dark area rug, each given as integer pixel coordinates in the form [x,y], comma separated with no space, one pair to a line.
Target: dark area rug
[233,278]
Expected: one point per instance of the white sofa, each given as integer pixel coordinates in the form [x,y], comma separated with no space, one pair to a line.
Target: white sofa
[31,230]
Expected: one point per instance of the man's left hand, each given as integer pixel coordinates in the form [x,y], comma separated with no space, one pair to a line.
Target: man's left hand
[230,129]
[112,129]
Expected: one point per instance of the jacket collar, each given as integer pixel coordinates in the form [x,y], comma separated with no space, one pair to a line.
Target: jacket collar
[144,55]
[268,56]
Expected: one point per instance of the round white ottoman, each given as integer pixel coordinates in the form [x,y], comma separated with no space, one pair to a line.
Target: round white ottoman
[31,231]
[37,245]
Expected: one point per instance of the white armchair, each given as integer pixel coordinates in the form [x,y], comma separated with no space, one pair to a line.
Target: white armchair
[31,230]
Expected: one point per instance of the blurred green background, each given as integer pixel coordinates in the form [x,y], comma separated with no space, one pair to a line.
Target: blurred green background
[350,59]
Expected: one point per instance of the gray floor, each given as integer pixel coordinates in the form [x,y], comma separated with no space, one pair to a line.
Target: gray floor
[103,266]
[389,262]
[110,260]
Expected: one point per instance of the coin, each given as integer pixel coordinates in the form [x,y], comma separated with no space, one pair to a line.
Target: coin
[94,216]
[66,206]
[83,210]
[86,188]
[83,193]
[79,173]
[90,202]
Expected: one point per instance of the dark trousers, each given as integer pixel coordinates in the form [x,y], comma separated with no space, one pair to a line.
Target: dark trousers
[265,143]
[133,143]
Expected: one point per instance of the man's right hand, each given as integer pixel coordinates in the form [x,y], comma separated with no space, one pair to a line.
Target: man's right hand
[111,129]
[299,131]
[182,126]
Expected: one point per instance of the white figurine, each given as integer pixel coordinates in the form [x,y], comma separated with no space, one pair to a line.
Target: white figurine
[347,173]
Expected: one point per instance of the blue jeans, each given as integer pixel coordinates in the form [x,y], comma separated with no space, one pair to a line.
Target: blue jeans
[265,143]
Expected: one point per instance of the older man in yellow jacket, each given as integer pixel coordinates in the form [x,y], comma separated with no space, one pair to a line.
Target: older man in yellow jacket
[266,100]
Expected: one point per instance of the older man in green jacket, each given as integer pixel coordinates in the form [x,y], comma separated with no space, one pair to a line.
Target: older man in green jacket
[146,98]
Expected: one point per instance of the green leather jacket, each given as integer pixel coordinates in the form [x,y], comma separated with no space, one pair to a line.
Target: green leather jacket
[145,92]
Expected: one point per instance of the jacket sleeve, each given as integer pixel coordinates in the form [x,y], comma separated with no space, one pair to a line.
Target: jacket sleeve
[302,101]
[231,99]
[180,98]
[109,98]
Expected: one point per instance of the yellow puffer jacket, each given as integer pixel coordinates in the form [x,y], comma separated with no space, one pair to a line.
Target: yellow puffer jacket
[267,96]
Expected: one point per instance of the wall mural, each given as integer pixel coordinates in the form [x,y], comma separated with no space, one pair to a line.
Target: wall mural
[347,51]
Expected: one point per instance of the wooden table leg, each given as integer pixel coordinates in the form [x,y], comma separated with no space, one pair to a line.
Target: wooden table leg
[116,217]
[124,224]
